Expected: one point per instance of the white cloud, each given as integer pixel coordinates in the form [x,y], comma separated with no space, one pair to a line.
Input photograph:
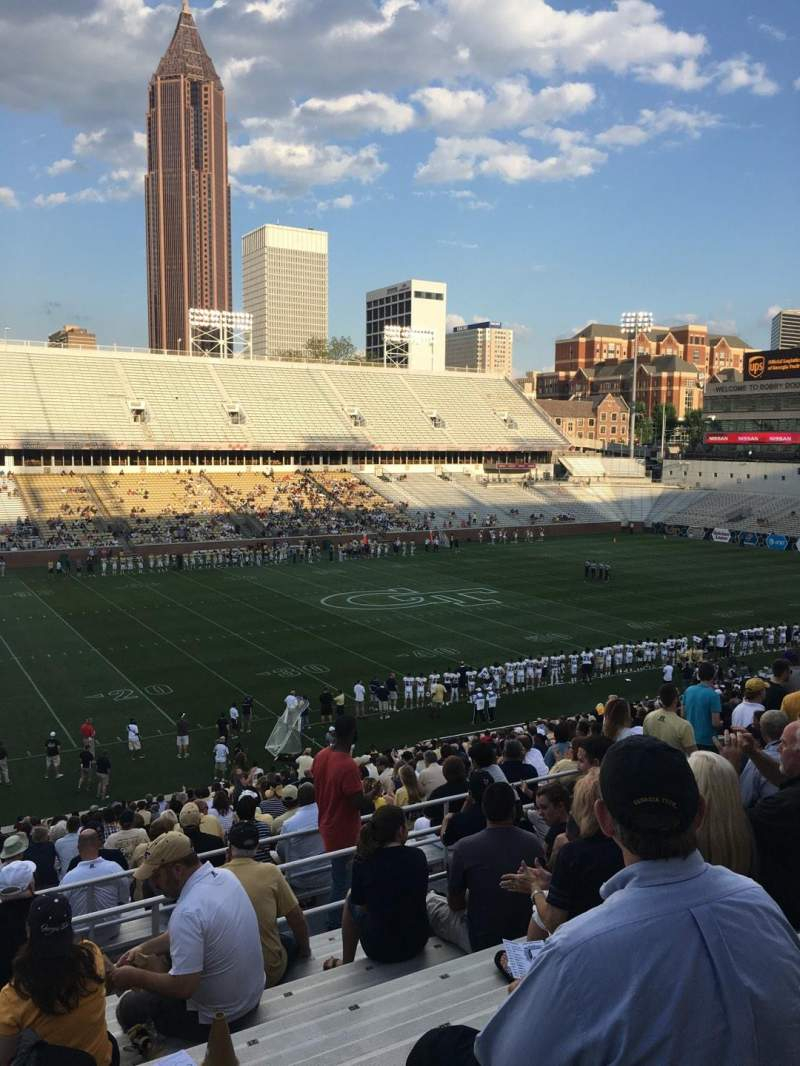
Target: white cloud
[796,84]
[728,76]
[8,198]
[364,29]
[270,10]
[52,199]
[255,192]
[465,158]
[521,331]
[768,29]
[532,35]
[85,143]
[742,73]
[722,325]
[511,104]
[770,313]
[359,111]
[685,76]
[60,166]
[301,166]
[465,245]
[339,203]
[454,320]
[652,123]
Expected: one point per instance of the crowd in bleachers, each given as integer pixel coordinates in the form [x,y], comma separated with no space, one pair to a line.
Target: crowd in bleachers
[710,775]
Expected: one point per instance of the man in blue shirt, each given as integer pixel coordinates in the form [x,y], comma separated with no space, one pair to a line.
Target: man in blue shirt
[672,933]
[702,707]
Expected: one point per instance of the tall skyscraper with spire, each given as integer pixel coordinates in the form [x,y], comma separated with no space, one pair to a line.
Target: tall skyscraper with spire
[187,196]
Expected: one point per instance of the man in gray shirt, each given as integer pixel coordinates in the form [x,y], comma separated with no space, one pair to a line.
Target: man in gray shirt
[90,898]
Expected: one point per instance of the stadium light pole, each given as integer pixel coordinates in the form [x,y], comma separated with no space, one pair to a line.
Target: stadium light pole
[630,325]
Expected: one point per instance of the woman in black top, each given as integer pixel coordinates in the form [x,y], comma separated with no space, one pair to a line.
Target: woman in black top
[579,869]
[385,909]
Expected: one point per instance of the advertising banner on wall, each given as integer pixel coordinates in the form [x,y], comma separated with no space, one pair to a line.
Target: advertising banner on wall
[752,438]
[749,539]
[721,536]
[773,364]
[777,542]
[695,532]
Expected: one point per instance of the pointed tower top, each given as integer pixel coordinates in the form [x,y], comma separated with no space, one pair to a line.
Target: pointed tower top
[186,53]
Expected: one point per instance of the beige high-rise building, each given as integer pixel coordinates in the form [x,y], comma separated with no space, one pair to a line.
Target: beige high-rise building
[482,346]
[285,288]
[786,329]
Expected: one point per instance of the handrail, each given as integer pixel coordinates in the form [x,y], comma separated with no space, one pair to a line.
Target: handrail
[305,832]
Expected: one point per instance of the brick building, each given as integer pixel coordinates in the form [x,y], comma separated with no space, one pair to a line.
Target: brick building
[598,343]
[593,422]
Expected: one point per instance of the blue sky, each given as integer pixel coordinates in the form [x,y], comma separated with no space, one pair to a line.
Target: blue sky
[553,163]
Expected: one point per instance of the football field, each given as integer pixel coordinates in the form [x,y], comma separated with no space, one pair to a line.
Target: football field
[152,646]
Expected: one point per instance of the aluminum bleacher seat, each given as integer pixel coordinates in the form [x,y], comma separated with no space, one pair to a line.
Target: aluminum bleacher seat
[365,1013]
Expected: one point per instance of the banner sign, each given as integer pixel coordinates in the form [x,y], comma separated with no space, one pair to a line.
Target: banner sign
[773,364]
[778,542]
[695,533]
[749,539]
[752,438]
[721,536]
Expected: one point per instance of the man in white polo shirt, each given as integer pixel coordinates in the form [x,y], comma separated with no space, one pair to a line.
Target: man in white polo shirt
[213,943]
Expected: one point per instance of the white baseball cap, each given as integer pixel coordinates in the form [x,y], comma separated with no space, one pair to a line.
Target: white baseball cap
[16,877]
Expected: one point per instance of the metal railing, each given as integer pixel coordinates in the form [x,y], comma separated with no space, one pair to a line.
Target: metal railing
[158,906]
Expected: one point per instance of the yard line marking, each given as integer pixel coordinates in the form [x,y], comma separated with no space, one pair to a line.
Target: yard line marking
[240,636]
[303,629]
[188,654]
[37,690]
[97,651]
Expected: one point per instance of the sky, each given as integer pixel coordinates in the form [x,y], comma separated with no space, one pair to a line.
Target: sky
[554,163]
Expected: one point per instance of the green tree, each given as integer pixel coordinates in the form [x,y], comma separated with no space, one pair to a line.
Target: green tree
[644,425]
[696,424]
[316,348]
[662,412]
[341,349]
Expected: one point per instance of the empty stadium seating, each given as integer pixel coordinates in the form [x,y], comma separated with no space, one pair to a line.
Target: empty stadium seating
[86,398]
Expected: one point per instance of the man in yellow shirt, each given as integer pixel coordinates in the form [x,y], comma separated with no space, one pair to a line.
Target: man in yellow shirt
[790,705]
[272,898]
[666,724]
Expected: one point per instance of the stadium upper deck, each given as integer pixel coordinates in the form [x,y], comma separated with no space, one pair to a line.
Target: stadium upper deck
[54,400]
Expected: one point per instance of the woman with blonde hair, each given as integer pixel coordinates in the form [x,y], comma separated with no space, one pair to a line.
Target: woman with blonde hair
[617,719]
[580,868]
[724,837]
[409,791]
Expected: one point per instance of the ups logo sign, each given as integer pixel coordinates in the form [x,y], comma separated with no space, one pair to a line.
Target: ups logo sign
[756,365]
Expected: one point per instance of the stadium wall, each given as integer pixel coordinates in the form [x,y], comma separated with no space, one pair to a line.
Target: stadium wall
[755,477]
[41,556]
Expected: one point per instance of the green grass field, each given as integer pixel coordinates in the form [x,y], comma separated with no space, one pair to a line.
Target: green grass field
[154,645]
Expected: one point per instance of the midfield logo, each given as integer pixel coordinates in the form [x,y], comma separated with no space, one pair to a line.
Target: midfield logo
[403,599]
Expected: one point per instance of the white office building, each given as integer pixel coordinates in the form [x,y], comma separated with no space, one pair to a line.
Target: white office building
[786,329]
[484,347]
[417,312]
[285,288]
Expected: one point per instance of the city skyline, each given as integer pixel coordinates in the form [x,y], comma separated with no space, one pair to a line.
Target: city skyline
[552,166]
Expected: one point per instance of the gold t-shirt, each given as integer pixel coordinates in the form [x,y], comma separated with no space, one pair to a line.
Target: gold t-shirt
[84,1028]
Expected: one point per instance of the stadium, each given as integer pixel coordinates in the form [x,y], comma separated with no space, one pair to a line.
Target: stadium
[184,535]
[357,707]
